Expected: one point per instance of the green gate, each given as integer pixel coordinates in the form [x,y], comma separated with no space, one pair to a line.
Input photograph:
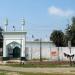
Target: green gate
[16,52]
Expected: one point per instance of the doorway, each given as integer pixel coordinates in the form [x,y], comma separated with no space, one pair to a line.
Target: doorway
[14,50]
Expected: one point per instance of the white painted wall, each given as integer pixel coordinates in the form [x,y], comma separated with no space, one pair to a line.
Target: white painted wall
[47,50]
[34,47]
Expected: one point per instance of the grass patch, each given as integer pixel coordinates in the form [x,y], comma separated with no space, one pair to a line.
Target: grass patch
[33,65]
[2,73]
[44,74]
[38,64]
[24,73]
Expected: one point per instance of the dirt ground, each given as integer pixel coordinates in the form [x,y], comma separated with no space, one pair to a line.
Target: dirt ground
[70,70]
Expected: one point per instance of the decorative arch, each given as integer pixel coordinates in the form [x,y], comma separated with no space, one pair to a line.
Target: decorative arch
[14,43]
[14,50]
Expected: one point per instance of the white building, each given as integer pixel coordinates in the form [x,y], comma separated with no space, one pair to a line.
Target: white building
[16,46]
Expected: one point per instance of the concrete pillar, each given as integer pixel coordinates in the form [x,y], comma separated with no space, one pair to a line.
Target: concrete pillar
[5,28]
[5,52]
[23,49]
[4,49]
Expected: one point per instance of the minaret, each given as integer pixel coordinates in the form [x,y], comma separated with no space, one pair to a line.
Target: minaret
[5,23]
[22,23]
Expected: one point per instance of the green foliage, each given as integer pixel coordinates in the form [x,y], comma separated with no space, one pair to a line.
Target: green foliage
[61,39]
[58,38]
[1,38]
[70,32]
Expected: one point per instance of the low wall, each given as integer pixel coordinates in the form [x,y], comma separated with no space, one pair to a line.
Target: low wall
[51,54]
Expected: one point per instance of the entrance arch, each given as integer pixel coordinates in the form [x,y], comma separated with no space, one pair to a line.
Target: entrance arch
[14,50]
[9,39]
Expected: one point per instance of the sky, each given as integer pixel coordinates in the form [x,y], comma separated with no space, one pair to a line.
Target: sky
[41,16]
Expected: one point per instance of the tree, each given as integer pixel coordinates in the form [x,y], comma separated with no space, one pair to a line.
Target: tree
[70,32]
[57,36]
[1,38]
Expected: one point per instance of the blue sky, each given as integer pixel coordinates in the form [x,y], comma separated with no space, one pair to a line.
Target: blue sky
[41,16]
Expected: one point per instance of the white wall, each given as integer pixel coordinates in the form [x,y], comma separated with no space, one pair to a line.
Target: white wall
[49,51]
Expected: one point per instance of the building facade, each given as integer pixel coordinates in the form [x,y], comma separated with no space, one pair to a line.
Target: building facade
[14,41]
[16,46]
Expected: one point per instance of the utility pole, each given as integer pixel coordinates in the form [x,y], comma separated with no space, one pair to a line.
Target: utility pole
[31,53]
[40,49]
[69,45]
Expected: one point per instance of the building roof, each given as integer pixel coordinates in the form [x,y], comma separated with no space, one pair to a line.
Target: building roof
[14,32]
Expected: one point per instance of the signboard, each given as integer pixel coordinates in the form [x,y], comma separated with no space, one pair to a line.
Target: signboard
[54,53]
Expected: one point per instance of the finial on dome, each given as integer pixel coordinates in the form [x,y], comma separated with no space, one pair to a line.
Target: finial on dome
[22,21]
[6,23]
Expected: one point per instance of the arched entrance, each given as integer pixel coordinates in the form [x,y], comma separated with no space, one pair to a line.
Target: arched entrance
[14,50]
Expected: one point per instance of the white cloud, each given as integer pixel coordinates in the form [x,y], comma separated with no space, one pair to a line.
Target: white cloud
[60,12]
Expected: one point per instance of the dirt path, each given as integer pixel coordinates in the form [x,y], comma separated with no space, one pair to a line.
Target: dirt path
[42,70]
